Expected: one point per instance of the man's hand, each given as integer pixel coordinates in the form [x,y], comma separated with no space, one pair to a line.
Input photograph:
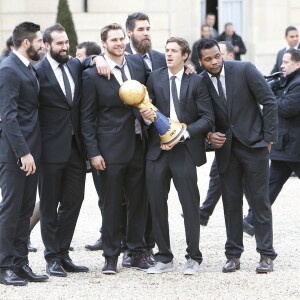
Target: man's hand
[190,69]
[102,66]
[166,147]
[217,139]
[147,114]
[28,164]
[98,163]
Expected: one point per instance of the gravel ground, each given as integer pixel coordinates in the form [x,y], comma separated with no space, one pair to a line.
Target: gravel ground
[211,283]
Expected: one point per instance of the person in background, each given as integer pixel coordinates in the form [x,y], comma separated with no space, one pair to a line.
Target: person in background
[292,40]
[210,20]
[205,33]
[229,35]
[20,153]
[8,49]
[243,135]
[285,154]
[85,49]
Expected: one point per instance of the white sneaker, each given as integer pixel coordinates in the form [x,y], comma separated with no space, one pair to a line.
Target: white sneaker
[191,267]
[160,267]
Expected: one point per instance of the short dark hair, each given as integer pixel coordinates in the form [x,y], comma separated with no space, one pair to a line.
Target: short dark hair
[228,24]
[107,28]
[183,44]
[91,48]
[206,44]
[23,31]
[295,54]
[47,34]
[132,18]
[228,45]
[290,28]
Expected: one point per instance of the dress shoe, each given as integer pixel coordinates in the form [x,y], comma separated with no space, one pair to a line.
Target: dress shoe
[69,266]
[26,273]
[248,228]
[126,261]
[110,266]
[30,247]
[96,246]
[9,277]
[231,265]
[54,268]
[150,254]
[265,265]
[141,261]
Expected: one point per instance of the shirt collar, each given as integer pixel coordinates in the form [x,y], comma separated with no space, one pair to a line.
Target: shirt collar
[112,64]
[178,75]
[53,63]
[23,59]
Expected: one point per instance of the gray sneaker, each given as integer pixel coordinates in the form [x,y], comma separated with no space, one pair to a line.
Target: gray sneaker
[160,267]
[191,267]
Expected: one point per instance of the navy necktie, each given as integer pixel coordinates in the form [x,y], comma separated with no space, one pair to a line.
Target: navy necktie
[66,83]
[175,97]
[34,72]
[124,77]
[220,89]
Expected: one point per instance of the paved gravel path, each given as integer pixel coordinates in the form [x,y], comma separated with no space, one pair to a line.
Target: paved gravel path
[211,283]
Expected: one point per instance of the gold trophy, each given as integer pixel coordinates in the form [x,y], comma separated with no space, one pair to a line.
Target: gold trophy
[133,93]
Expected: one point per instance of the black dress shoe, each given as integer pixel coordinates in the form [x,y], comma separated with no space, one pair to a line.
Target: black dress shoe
[141,261]
[231,265]
[110,266]
[30,247]
[150,254]
[96,246]
[9,277]
[54,268]
[69,266]
[26,273]
[265,265]
[126,260]
[248,228]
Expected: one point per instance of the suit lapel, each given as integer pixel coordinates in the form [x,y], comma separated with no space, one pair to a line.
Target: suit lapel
[229,86]
[213,92]
[75,79]
[165,82]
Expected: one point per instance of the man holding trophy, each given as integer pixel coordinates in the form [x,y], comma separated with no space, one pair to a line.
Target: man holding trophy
[182,98]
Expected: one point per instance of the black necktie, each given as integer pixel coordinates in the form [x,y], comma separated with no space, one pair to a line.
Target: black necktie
[175,97]
[33,71]
[124,77]
[66,83]
[220,89]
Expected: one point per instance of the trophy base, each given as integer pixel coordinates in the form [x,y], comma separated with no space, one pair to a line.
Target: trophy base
[174,134]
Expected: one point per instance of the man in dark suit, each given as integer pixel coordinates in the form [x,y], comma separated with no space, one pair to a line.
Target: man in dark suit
[19,153]
[113,136]
[292,39]
[63,166]
[185,100]
[243,136]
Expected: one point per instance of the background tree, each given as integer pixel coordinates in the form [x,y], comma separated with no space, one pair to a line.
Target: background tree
[64,17]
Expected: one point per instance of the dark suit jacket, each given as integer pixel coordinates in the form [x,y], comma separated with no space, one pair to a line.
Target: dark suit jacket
[287,148]
[158,59]
[58,119]
[195,107]
[19,124]
[108,125]
[278,62]
[246,90]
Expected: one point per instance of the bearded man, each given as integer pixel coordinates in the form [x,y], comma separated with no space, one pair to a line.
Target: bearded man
[63,166]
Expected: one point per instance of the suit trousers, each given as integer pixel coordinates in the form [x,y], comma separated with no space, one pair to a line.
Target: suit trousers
[280,172]
[177,164]
[253,165]
[61,187]
[117,180]
[18,200]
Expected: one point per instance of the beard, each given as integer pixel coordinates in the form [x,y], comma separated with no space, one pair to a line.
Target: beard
[141,47]
[62,59]
[33,54]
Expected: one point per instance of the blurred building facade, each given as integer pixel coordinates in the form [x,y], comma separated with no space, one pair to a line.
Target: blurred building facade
[260,23]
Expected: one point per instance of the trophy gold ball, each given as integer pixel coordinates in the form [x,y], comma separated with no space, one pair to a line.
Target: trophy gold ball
[133,93]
